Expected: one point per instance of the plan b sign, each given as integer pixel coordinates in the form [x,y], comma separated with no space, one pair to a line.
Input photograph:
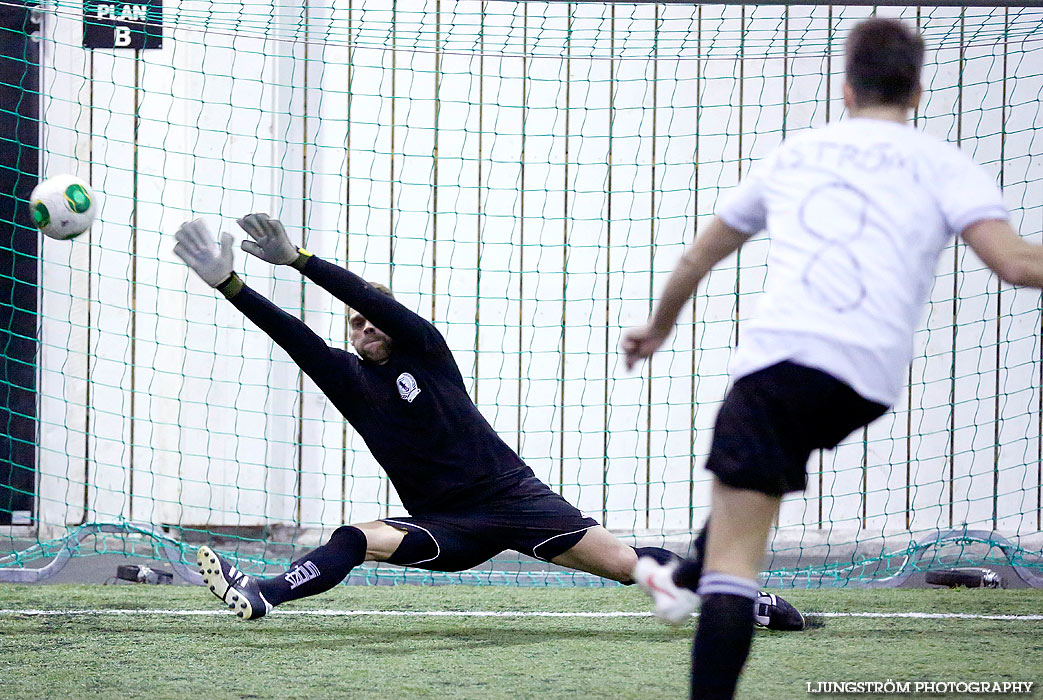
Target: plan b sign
[123,25]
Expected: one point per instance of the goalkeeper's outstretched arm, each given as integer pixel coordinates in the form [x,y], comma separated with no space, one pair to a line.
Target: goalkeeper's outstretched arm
[270,243]
[308,350]
[212,261]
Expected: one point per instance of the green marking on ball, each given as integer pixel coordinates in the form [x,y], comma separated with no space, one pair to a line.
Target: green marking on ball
[77,198]
[41,217]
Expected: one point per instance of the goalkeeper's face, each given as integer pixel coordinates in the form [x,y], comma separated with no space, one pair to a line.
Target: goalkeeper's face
[370,342]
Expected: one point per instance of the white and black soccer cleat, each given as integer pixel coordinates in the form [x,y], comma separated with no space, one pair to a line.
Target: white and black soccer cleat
[236,589]
[673,603]
[774,613]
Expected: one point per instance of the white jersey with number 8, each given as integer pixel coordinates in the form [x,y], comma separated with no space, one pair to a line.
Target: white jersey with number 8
[858,213]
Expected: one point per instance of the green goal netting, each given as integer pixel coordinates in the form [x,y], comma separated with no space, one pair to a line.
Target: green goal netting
[524,175]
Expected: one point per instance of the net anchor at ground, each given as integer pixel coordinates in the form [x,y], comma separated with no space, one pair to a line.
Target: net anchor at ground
[971,577]
[143,574]
[912,555]
[171,550]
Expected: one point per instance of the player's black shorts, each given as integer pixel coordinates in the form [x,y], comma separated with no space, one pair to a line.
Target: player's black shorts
[773,419]
[529,518]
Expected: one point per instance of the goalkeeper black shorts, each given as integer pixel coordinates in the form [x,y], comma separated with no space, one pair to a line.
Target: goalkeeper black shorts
[528,518]
[773,419]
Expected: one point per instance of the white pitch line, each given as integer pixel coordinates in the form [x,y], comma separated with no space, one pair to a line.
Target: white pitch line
[335,613]
[931,616]
[495,613]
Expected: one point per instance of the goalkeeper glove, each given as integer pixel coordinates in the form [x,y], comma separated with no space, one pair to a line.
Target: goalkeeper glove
[270,242]
[211,260]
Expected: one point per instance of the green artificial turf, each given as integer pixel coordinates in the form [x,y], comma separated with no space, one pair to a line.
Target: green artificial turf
[160,655]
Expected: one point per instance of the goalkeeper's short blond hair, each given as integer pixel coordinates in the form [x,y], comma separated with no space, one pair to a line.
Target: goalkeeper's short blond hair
[382,288]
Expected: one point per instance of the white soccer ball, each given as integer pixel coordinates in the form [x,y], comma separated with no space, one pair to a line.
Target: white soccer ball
[63,207]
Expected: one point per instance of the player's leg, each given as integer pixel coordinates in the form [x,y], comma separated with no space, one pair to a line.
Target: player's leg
[316,572]
[735,546]
[688,572]
[601,553]
[765,432]
[672,584]
[444,542]
[759,452]
[324,567]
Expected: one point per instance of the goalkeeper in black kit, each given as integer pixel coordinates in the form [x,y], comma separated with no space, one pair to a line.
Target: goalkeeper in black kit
[468,494]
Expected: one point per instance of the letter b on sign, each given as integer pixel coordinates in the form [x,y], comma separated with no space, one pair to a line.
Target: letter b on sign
[123,25]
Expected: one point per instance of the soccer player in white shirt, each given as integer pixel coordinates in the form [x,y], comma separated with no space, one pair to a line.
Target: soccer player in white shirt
[858,212]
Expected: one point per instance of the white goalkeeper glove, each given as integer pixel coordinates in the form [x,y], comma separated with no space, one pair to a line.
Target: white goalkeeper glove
[270,242]
[211,260]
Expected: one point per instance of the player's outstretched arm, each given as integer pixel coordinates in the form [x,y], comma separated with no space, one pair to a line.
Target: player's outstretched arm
[717,242]
[271,244]
[213,263]
[1010,256]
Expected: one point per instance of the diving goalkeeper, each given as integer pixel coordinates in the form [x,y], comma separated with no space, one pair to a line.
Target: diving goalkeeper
[468,494]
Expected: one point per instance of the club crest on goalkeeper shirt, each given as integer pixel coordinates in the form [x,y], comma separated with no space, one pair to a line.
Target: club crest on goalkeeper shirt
[407,387]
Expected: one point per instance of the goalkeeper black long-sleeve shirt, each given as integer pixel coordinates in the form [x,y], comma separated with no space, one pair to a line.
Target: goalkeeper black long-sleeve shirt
[413,411]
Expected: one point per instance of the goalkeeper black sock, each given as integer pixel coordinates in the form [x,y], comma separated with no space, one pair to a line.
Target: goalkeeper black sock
[722,640]
[662,556]
[688,573]
[318,570]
